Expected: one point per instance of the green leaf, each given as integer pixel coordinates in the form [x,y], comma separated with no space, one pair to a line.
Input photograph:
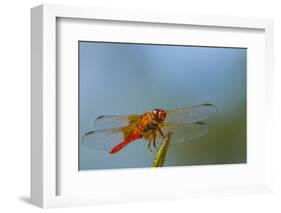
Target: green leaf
[160,156]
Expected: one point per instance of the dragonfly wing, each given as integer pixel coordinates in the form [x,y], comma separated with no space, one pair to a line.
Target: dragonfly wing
[190,114]
[104,139]
[114,121]
[185,132]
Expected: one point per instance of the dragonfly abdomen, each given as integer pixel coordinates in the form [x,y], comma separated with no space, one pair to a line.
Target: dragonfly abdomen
[134,135]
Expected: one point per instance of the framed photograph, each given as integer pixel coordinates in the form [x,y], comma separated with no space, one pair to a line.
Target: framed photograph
[118,94]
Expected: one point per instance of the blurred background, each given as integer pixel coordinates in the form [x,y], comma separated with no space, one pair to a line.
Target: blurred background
[119,78]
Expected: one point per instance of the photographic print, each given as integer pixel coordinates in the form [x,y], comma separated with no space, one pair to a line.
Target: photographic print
[155,105]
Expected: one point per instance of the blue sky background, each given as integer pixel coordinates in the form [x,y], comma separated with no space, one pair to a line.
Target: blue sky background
[118,78]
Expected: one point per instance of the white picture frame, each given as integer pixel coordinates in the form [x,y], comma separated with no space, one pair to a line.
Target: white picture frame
[46,163]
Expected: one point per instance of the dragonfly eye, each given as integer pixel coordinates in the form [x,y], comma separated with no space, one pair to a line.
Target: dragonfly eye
[160,114]
[155,112]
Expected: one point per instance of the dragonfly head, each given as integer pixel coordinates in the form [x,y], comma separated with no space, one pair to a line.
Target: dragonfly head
[159,114]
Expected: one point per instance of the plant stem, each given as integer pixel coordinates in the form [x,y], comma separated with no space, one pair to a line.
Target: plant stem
[160,156]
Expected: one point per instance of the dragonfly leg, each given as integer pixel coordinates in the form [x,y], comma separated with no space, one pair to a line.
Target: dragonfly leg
[148,146]
[154,138]
[160,131]
[151,151]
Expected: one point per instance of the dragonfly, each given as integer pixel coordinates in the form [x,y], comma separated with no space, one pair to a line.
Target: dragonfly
[114,132]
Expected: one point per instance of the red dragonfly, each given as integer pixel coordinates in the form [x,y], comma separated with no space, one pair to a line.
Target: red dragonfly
[185,123]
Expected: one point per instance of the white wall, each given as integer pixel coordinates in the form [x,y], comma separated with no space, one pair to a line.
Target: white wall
[15,98]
